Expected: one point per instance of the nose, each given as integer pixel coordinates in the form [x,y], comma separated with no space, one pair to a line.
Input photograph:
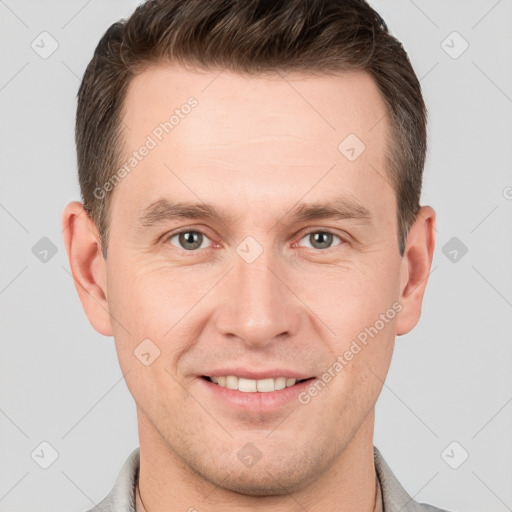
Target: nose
[259,306]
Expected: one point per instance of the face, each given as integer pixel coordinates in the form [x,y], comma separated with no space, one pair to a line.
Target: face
[260,279]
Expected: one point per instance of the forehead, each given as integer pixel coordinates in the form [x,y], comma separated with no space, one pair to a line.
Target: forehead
[299,105]
[252,133]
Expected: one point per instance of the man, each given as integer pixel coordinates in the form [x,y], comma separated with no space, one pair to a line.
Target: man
[252,238]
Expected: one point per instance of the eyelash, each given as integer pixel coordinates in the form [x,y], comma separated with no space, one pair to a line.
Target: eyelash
[167,239]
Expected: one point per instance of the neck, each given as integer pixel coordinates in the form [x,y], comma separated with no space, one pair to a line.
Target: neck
[165,479]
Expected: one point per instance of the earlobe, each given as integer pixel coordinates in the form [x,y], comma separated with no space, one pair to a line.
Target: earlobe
[415,271]
[87,264]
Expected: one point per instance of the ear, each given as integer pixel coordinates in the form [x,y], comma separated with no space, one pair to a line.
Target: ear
[88,267]
[415,268]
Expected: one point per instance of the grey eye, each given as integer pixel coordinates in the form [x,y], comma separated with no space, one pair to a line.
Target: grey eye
[189,240]
[321,239]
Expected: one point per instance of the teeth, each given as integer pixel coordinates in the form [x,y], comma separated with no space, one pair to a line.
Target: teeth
[247,385]
[251,385]
[280,383]
[232,382]
[265,385]
[290,382]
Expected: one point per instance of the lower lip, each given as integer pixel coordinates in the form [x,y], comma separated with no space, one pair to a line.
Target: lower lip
[257,401]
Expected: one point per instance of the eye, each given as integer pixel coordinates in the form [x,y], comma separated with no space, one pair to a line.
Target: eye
[321,239]
[188,240]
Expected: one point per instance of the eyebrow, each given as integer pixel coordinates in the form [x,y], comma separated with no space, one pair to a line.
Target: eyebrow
[164,210]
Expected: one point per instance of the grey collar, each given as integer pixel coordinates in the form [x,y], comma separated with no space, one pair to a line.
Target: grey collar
[395,498]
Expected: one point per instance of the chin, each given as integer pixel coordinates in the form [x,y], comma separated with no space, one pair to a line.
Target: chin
[264,482]
[280,474]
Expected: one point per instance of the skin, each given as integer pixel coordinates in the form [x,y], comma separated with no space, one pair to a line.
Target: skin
[253,147]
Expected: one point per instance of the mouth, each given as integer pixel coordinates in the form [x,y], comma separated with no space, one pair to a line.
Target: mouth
[254,385]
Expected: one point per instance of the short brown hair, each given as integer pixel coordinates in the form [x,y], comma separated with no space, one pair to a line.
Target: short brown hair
[250,37]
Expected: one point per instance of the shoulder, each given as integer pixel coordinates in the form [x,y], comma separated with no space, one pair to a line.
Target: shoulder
[395,498]
[122,496]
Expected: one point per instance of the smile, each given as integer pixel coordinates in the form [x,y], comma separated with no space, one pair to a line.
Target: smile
[253,385]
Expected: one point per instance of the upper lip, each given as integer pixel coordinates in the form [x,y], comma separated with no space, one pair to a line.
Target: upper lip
[257,375]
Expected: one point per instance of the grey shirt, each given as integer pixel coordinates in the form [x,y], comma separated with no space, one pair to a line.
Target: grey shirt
[394,498]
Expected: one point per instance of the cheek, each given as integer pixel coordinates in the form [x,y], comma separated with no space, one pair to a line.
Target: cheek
[358,308]
[145,296]
[147,306]
[150,301]
[346,300]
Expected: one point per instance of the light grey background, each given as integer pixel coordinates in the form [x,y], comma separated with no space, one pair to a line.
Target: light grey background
[450,379]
